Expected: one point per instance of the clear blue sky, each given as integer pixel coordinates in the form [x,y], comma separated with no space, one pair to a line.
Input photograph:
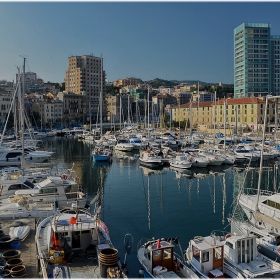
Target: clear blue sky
[146,40]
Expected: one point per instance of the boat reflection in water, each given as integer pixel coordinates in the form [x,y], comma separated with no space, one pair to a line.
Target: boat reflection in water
[133,155]
[101,163]
[182,172]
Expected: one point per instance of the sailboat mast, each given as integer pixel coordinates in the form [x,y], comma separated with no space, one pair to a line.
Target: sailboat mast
[101,98]
[261,160]
[120,112]
[21,100]
[224,125]
[148,111]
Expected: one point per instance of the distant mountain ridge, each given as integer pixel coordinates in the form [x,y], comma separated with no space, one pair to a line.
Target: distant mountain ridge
[166,83]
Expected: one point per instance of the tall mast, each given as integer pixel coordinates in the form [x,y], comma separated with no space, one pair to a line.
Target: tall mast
[120,111]
[148,111]
[21,100]
[101,98]
[224,125]
[261,160]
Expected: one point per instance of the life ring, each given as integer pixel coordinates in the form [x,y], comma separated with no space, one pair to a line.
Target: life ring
[228,235]
[64,177]
[190,159]
[175,266]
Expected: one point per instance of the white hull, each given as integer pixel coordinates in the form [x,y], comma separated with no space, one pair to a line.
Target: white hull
[19,233]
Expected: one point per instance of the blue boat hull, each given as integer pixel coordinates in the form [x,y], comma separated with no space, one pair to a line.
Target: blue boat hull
[101,157]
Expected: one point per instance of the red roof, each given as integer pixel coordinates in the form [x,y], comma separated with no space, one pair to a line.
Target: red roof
[229,101]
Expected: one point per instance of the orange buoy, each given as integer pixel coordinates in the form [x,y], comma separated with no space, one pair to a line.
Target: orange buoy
[73,220]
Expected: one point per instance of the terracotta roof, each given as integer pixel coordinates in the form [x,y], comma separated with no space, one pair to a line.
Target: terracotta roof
[229,101]
[244,100]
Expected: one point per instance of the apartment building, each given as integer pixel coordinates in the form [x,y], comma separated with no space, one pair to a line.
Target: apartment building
[241,112]
[85,75]
[50,111]
[5,104]
[120,108]
[30,80]
[73,105]
[256,61]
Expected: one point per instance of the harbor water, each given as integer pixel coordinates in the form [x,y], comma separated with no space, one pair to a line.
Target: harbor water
[142,203]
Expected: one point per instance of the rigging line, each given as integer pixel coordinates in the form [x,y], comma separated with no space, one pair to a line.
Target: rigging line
[241,188]
[10,109]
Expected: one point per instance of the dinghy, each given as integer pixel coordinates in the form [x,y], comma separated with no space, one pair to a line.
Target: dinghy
[19,233]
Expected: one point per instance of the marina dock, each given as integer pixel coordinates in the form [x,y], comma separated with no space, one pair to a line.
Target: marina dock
[27,247]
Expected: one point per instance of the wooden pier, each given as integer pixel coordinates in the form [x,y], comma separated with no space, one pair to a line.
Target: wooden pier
[27,247]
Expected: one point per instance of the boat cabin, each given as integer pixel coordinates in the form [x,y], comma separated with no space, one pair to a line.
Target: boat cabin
[241,249]
[207,255]
[70,232]
[160,256]
[13,183]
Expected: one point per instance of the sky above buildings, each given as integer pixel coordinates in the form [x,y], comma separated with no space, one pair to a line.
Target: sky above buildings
[146,40]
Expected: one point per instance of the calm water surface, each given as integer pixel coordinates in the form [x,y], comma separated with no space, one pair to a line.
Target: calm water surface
[159,203]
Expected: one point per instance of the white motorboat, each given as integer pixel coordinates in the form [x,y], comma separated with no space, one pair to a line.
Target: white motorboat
[12,157]
[59,190]
[149,159]
[181,161]
[159,260]
[20,207]
[268,241]
[229,255]
[214,159]
[247,151]
[124,145]
[197,159]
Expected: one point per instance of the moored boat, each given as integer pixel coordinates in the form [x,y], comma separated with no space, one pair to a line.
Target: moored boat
[229,255]
[159,260]
[148,159]
[76,244]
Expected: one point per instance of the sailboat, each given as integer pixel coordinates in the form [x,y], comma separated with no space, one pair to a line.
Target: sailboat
[262,209]
[19,154]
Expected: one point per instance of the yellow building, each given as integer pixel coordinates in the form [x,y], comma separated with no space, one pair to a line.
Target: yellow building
[240,112]
[127,82]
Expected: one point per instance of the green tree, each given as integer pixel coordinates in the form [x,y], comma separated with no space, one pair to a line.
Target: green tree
[112,89]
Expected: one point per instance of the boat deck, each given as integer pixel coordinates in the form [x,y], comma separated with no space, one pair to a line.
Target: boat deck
[82,266]
[27,247]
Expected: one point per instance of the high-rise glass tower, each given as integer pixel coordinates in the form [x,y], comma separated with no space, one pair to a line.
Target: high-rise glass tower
[252,60]
[275,65]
